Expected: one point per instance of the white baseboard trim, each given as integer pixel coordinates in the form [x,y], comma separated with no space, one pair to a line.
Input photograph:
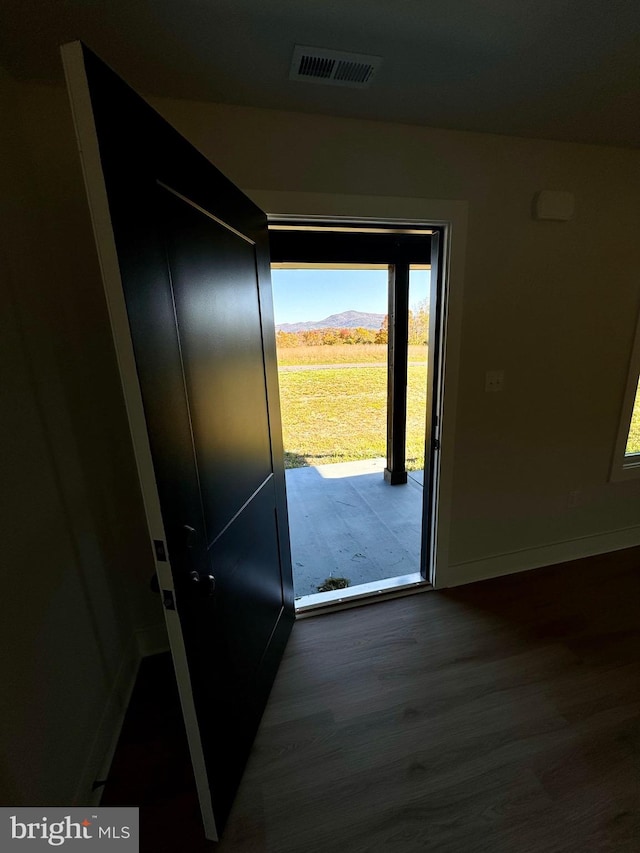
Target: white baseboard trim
[544,555]
[149,640]
[152,639]
[108,731]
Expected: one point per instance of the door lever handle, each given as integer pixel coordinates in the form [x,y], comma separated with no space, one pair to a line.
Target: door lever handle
[190,540]
[205,583]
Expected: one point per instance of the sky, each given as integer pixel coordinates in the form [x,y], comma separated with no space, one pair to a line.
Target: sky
[302,295]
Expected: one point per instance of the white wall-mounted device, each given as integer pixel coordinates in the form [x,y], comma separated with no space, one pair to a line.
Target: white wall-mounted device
[556,205]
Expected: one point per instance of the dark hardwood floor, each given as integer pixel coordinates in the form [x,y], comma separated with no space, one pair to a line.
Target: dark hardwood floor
[501,716]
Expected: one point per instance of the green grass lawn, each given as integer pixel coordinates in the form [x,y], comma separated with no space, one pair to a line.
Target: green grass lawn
[341,415]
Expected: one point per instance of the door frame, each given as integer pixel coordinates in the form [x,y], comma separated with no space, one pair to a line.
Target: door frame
[452,217]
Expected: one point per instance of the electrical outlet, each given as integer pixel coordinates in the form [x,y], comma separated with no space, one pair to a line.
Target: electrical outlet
[494,381]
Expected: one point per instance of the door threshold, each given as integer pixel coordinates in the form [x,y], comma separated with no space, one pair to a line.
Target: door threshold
[365,593]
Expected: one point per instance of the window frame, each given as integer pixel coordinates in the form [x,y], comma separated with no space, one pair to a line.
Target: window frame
[627,467]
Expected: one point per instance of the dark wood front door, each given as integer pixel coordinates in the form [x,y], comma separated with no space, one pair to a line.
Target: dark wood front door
[192,253]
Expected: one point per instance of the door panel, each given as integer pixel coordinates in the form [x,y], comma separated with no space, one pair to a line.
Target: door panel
[248,596]
[191,266]
[213,278]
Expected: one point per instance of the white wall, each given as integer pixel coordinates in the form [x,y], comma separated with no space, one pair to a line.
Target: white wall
[77,563]
[553,304]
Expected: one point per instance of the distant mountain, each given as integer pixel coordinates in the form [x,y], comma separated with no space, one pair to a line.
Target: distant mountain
[346,320]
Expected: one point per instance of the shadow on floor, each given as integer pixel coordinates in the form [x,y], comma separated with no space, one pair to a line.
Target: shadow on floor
[151,768]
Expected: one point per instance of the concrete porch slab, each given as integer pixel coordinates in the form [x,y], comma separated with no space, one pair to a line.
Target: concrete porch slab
[345,521]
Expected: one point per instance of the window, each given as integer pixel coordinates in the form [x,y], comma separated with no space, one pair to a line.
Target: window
[626,461]
[633,439]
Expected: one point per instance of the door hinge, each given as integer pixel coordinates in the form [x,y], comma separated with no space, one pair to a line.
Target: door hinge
[436,444]
[168,600]
[161,553]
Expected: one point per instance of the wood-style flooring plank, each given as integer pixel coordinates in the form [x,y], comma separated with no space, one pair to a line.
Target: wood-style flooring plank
[501,717]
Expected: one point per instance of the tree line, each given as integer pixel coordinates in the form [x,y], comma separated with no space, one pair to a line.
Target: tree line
[418,332]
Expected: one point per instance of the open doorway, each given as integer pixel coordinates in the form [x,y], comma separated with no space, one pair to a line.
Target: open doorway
[353,313]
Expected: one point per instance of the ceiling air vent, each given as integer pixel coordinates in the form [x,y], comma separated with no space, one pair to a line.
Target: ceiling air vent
[332,67]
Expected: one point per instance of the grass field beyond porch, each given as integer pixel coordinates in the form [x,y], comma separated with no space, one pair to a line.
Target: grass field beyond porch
[343,354]
[340,415]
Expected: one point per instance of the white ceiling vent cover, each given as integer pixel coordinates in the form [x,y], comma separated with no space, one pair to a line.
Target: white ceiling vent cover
[333,67]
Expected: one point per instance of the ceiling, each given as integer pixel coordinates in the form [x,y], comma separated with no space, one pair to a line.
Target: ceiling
[557,69]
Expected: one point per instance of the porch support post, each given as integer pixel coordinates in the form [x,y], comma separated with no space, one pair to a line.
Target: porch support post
[397,351]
